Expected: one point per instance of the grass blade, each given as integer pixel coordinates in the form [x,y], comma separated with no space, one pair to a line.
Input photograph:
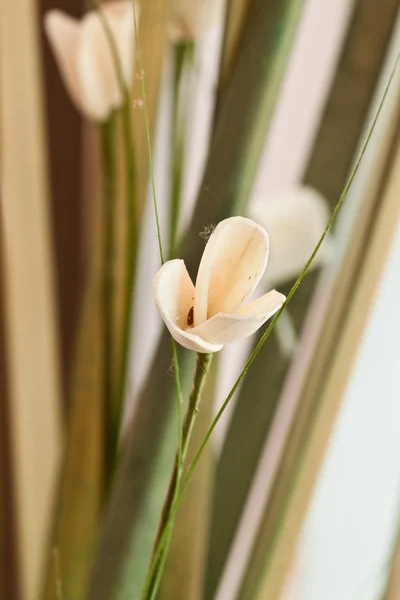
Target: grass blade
[81,486]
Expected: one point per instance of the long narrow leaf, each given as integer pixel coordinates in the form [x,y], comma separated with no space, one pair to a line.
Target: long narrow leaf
[235,20]
[81,489]
[9,576]
[30,319]
[153,45]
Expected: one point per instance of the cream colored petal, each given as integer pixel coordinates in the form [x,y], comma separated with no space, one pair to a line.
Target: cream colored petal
[120,16]
[63,33]
[98,80]
[223,328]
[232,264]
[295,220]
[96,71]
[174,297]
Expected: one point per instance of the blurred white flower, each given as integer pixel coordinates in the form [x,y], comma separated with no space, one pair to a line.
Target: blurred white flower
[84,57]
[212,313]
[295,220]
[190,18]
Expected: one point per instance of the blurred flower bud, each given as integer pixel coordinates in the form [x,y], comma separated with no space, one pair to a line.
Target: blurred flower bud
[85,59]
[295,220]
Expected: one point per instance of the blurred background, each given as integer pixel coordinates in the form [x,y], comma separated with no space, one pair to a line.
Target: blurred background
[300,496]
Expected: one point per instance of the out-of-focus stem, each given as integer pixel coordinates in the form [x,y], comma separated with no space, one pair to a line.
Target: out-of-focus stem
[183,58]
[117,396]
[108,141]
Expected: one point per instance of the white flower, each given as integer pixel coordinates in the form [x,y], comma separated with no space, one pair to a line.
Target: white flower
[295,219]
[84,57]
[190,18]
[214,313]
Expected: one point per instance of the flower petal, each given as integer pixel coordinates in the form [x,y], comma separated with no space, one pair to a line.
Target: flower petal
[96,71]
[120,16]
[100,88]
[223,328]
[232,264]
[295,220]
[63,33]
[174,297]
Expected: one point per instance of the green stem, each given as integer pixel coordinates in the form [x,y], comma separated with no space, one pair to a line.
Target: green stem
[166,523]
[183,57]
[108,150]
[118,396]
[131,255]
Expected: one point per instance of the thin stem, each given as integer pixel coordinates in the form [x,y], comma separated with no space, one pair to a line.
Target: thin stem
[147,128]
[131,256]
[132,234]
[183,57]
[108,148]
[163,539]
[160,246]
[166,523]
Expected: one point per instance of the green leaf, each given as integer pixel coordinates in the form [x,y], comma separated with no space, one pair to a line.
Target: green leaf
[234,24]
[82,483]
[86,470]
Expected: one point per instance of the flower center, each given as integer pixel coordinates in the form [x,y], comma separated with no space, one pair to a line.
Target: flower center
[190,317]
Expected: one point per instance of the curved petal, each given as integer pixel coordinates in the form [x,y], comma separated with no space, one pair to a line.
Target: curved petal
[295,220]
[223,328]
[98,81]
[232,264]
[63,33]
[120,16]
[174,296]
[96,71]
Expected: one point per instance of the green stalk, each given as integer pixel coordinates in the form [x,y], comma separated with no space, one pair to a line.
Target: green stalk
[131,256]
[167,518]
[175,478]
[183,57]
[108,148]
[117,396]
